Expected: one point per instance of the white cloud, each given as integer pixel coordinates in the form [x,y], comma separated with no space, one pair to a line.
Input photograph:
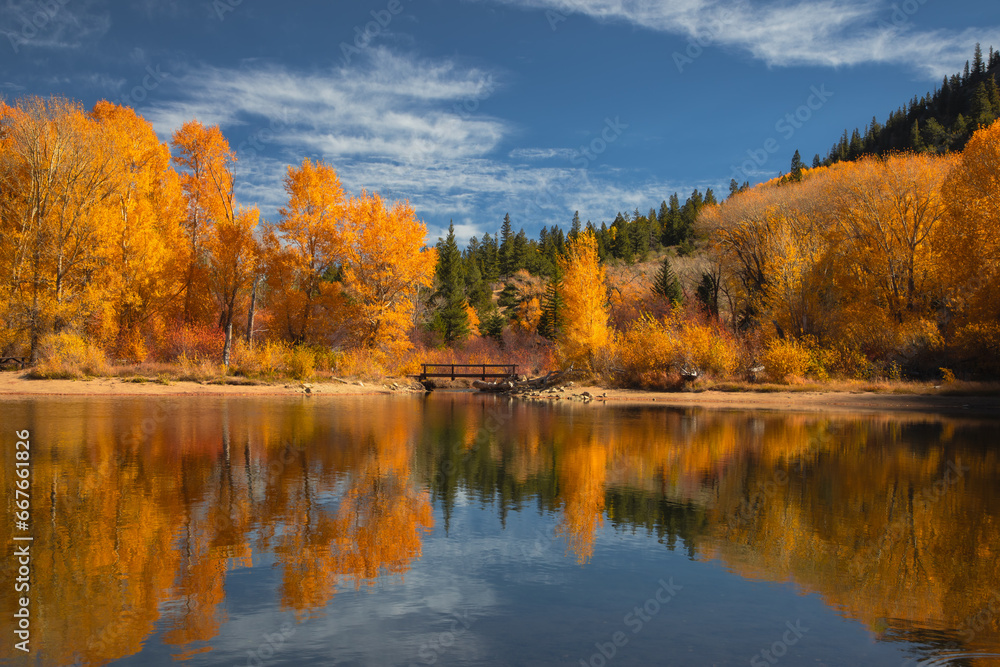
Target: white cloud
[804,32]
[397,126]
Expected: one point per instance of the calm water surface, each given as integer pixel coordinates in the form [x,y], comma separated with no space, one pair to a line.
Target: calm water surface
[459,529]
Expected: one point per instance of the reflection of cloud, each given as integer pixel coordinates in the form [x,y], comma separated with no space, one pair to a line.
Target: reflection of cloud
[807,32]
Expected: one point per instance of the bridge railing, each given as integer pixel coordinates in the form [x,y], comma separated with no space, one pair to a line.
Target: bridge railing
[20,361]
[479,371]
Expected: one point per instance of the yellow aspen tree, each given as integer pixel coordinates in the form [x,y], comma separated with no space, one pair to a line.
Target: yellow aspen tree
[585,292]
[385,264]
[205,161]
[969,247]
[56,174]
[145,235]
[305,250]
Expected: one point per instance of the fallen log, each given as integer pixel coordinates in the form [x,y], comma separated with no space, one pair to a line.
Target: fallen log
[516,386]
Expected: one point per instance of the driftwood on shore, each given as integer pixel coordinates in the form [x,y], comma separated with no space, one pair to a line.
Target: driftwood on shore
[516,386]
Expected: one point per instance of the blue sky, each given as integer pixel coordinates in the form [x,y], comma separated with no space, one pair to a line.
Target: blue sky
[474,108]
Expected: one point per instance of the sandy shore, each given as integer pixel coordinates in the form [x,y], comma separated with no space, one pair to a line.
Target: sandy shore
[807,401]
[13,385]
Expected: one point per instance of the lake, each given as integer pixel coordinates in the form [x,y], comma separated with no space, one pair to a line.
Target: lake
[459,529]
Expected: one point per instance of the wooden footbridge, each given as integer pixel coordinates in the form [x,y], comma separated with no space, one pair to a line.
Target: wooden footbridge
[472,371]
[20,361]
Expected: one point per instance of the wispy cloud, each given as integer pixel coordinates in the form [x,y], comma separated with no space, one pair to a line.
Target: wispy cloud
[28,24]
[394,124]
[541,153]
[803,32]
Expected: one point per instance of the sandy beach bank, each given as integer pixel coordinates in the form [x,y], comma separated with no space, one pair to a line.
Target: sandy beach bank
[13,386]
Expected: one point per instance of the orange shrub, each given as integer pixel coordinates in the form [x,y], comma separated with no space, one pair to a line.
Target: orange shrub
[195,341]
[651,352]
[786,359]
[67,355]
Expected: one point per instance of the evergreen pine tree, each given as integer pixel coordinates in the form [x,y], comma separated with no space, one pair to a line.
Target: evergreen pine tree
[734,187]
[982,108]
[492,324]
[994,94]
[708,293]
[817,162]
[688,215]
[653,226]
[916,141]
[509,297]
[550,325]
[621,246]
[797,167]
[477,289]
[489,259]
[978,67]
[519,252]
[574,229]
[663,222]
[506,249]
[451,319]
[666,285]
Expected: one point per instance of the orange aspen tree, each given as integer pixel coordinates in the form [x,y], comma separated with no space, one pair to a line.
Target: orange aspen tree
[56,174]
[385,264]
[886,209]
[969,247]
[305,250]
[585,293]
[145,233]
[205,160]
[224,249]
[233,250]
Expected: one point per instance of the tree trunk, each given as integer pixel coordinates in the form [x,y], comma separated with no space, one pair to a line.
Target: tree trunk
[252,309]
[228,345]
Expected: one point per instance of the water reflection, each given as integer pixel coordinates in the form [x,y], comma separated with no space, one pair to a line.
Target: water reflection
[144,509]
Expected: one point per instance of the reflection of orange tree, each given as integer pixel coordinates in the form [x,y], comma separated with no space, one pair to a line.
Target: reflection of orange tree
[896,540]
[377,527]
[102,555]
[140,533]
[581,473]
[212,541]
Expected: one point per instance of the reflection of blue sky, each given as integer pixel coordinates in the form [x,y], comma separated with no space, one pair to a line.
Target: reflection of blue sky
[528,602]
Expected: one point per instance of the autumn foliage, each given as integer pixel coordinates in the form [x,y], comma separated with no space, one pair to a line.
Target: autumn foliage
[873,266]
[117,244]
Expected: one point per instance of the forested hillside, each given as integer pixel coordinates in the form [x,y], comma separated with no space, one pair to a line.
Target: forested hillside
[938,122]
